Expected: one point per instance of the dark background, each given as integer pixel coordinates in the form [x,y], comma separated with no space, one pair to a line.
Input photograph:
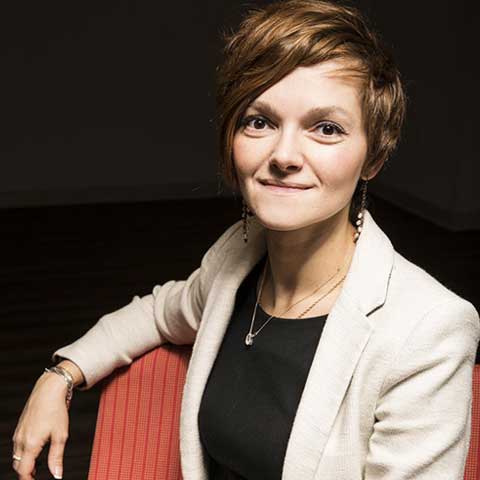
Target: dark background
[109,181]
[113,101]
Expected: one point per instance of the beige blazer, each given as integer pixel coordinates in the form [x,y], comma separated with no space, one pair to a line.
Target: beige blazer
[388,395]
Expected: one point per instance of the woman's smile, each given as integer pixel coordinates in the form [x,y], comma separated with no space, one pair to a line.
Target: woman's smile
[283,189]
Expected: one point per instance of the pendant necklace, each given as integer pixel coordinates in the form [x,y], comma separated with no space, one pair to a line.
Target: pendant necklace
[251,335]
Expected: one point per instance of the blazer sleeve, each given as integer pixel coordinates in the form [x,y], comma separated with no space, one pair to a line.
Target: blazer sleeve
[423,415]
[171,313]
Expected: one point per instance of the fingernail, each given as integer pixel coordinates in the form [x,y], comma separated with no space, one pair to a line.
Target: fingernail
[58,473]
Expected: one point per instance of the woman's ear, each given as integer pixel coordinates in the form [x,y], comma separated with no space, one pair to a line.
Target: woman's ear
[372,170]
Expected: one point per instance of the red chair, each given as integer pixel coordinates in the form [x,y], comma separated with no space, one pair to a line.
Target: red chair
[137,431]
[472,467]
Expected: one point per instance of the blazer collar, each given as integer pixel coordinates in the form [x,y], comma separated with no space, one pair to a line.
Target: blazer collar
[343,339]
[369,274]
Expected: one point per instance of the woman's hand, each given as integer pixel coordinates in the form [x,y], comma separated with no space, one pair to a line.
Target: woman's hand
[44,419]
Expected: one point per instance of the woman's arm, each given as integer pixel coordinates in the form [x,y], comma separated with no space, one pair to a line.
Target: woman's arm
[423,415]
[171,313]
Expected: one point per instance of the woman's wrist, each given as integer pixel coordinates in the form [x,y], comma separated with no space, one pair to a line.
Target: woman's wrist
[68,379]
[73,369]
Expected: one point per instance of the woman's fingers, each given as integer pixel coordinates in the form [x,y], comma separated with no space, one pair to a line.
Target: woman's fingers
[43,420]
[24,458]
[17,452]
[16,457]
[25,467]
[55,454]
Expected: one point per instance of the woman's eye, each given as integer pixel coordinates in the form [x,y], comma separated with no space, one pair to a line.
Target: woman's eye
[255,122]
[329,129]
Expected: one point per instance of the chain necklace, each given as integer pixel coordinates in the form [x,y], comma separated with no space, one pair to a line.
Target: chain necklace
[251,335]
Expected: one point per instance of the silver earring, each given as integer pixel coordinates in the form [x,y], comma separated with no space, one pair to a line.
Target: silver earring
[245,212]
[361,213]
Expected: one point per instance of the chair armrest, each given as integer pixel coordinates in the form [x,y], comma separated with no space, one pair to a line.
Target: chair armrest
[472,466]
[137,429]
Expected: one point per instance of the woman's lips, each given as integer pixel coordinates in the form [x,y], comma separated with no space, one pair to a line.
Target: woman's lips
[279,189]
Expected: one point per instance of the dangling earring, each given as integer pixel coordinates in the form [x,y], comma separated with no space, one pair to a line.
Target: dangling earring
[245,212]
[361,213]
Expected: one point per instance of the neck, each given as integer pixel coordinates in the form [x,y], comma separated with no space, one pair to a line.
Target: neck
[301,260]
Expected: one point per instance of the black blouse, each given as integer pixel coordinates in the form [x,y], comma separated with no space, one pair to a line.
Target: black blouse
[251,397]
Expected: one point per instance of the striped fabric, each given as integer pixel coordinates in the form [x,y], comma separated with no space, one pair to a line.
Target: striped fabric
[472,468]
[137,431]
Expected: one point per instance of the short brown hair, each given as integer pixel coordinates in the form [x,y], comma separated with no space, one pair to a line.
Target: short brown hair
[272,41]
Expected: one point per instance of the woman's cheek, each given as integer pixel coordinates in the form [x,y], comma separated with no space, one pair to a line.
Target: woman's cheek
[341,166]
[240,150]
[248,153]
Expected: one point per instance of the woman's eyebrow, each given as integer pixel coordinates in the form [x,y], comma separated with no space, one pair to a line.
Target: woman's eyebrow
[312,115]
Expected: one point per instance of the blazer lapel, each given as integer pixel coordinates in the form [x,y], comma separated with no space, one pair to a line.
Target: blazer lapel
[217,313]
[344,337]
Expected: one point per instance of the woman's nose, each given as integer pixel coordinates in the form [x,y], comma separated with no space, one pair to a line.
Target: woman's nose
[287,154]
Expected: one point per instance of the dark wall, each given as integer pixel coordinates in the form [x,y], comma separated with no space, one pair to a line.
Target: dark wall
[106,100]
[113,101]
[436,170]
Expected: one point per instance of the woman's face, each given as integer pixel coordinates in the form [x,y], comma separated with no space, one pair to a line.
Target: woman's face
[305,130]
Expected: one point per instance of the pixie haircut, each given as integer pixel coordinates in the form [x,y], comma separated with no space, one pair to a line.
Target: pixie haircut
[273,41]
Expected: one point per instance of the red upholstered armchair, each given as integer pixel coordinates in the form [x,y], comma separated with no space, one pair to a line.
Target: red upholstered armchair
[137,432]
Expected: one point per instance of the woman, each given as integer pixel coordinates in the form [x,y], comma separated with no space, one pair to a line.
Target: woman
[319,352]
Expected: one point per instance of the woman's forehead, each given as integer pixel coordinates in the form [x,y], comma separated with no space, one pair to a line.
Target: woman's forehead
[329,86]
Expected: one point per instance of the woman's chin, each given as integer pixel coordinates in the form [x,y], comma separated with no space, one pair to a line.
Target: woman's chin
[279,222]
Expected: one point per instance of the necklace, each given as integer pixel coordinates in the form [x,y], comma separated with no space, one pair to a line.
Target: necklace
[251,335]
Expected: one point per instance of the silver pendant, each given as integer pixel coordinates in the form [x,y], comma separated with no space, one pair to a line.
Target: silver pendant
[249,339]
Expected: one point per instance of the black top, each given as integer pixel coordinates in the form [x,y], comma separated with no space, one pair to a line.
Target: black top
[251,397]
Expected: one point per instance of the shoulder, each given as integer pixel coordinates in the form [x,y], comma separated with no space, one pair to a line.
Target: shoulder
[420,312]
[224,241]
[417,288]
[228,247]
[417,308]
[231,240]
